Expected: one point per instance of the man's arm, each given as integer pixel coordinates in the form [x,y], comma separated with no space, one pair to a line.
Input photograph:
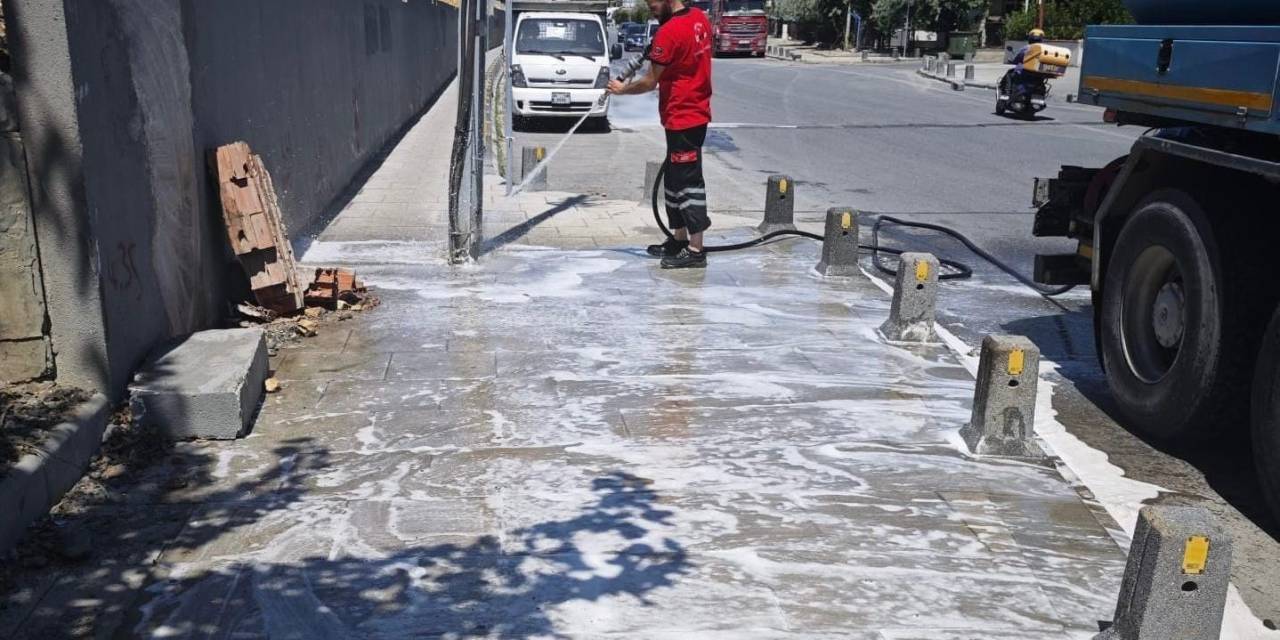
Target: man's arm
[644,84]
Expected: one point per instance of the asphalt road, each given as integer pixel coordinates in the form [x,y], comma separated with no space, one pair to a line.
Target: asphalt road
[884,140]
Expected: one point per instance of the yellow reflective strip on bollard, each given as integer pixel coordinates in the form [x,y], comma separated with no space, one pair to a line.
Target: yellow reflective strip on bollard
[1017,360]
[782,187]
[1195,556]
[846,220]
[922,271]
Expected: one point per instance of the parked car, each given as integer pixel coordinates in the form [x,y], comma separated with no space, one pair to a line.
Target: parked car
[636,38]
[622,31]
[560,66]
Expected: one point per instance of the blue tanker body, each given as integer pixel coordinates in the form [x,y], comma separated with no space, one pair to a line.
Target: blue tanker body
[1224,76]
[1205,12]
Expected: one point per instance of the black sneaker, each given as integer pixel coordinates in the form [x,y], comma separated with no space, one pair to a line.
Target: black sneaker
[686,259]
[668,249]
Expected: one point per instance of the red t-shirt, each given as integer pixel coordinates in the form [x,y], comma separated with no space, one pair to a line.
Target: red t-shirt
[683,46]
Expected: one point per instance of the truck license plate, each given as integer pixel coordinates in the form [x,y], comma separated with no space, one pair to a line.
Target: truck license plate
[560,98]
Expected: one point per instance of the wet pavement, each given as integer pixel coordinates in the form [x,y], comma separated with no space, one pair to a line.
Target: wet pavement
[566,441]
[569,442]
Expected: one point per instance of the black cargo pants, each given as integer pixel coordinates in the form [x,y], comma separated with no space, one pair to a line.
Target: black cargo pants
[685,188]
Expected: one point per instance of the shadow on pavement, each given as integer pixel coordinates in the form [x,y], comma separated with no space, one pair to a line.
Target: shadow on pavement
[149,574]
[521,230]
[1225,460]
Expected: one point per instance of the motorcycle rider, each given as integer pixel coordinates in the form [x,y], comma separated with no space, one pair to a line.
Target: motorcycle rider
[1016,80]
[1035,36]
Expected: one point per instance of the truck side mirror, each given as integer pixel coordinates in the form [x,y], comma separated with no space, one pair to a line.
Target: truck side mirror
[615,52]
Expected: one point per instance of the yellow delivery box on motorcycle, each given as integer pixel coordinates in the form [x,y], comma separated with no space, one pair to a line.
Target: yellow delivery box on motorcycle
[1047,60]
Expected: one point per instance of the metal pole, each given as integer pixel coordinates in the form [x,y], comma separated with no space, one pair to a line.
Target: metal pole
[508,133]
[1040,18]
[462,132]
[477,127]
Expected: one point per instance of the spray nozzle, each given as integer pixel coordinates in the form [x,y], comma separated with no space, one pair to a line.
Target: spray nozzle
[633,65]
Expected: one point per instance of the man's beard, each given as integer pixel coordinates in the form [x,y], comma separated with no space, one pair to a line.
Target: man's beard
[665,14]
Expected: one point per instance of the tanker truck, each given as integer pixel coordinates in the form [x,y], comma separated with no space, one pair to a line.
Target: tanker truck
[1173,238]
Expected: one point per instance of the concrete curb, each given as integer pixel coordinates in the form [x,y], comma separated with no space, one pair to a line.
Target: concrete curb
[958,85]
[39,480]
[779,52]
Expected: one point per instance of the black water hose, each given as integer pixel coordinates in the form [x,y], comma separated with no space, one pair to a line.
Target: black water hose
[956,270]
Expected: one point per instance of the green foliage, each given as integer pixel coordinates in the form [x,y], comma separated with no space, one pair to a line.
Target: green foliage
[640,14]
[931,15]
[1066,19]
[820,21]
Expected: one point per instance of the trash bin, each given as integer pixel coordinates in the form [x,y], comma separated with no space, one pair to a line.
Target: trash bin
[961,44]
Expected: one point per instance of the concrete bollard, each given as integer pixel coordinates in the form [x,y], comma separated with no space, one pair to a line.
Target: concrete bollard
[840,243]
[650,176]
[969,72]
[915,296]
[866,55]
[779,205]
[529,158]
[951,69]
[1004,401]
[1175,582]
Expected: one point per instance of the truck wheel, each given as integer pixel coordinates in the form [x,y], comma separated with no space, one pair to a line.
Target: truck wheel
[1167,339]
[1266,414]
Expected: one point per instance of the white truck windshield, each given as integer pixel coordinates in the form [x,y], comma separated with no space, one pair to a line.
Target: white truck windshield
[556,36]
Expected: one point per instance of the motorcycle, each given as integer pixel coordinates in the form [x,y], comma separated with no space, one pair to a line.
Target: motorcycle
[1022,94]
[1024,88]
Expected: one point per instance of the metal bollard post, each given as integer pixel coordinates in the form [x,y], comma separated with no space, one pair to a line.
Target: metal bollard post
[840,243]
[651,168]
[915,296]
[951,69]
[969,72]
[529,158]
[1004,401]
[1175,582]
[779,205]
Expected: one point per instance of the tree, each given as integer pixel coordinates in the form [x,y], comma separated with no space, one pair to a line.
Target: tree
[1066,19]
[931,15]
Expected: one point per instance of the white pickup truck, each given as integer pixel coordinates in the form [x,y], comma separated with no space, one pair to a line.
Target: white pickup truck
[560,65]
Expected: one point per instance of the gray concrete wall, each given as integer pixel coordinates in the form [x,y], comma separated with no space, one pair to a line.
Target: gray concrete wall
[24,345]
[316,87]
[121,102]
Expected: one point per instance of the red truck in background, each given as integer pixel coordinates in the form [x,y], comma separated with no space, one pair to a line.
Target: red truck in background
[737,26]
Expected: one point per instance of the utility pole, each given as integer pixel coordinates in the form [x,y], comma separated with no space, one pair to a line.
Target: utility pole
[906,30]
[1040,16]
[848,15]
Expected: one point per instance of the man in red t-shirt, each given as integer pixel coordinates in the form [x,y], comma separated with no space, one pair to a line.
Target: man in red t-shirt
[680,67]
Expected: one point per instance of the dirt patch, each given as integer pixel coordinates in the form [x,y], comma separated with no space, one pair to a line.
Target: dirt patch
[63,538]
[27,412]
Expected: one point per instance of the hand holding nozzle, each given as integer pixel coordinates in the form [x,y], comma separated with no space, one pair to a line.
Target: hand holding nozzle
[629,71]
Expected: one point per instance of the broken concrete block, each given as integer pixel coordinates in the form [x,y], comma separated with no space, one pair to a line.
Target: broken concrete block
[206,385]
[1175,583]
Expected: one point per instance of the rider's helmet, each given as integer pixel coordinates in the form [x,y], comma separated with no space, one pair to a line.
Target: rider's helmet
[1035,36]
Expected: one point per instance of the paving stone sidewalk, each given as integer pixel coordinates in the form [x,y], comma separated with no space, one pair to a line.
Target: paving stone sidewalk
[564,441]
